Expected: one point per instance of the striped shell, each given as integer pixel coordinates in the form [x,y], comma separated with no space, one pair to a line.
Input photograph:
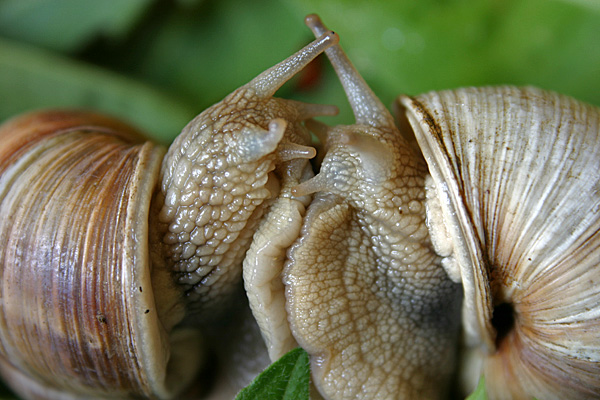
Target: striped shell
[516,181]
[78,311]
[108,246]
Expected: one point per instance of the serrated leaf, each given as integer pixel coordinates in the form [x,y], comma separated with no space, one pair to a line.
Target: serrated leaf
[286,379]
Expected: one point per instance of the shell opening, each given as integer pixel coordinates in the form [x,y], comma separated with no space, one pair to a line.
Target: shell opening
[503,320]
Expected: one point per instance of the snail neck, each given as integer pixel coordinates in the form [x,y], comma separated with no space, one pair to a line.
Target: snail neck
[393,217]
[218,178]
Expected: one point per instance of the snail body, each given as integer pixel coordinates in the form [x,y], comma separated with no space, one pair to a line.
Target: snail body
[496,186]
[474,217]
[114,253]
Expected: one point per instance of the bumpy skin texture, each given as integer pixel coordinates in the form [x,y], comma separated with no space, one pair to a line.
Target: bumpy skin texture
[264,262]
[88,307]
[215,197]
[218,177]
[367,296]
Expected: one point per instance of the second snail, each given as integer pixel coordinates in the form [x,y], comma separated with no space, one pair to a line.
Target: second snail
[460,239]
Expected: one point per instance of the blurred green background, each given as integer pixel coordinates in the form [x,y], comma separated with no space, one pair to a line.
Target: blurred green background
[157,63]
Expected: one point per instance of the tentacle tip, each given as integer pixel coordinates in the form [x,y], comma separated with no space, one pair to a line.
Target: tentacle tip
[267,83]
[277,128]
[292,151]
[330,37]
[312,20]
[310,152]
[314,23]
[313,185]
[329,110]
[256,142]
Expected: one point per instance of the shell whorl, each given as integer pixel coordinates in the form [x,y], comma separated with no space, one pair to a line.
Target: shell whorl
[78,311]
[520,171]
[97,223]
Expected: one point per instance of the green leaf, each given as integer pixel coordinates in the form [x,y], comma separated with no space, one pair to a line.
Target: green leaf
[31,78]
[479,393]
[67,25]
[286,379]
[413,47]
[206,54]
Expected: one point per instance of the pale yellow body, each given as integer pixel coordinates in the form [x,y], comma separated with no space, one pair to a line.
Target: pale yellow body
[470,222]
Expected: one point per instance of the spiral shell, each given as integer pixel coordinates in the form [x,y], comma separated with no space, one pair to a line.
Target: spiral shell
[113,252]
[78,310]
[516,174]
[493,188]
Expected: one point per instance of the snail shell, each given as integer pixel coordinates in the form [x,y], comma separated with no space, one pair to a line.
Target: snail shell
[507,182]
[75,187]
[114,256]
[516,173]
[491,192]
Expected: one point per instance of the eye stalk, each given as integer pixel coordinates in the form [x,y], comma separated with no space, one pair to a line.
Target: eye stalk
[221,173]
[366,106]
[266,84]
[364,259]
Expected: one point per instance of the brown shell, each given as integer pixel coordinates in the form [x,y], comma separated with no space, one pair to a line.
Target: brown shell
[517,174]
[78,311]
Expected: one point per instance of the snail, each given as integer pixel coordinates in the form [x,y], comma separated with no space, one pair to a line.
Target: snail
[474,217]
[115,253]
